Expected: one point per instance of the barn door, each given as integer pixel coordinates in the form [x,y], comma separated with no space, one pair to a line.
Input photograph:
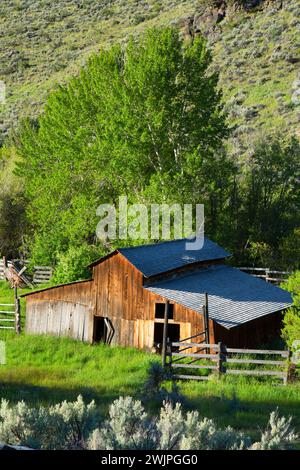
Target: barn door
[103,330]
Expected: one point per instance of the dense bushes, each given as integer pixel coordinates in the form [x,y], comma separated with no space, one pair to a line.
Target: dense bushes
[291,320]
[77,426]
[147,121]
[73,265]
[63,426]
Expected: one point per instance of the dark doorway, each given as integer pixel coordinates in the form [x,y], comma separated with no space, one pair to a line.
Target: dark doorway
[160,310]
[100,330]
[173,334]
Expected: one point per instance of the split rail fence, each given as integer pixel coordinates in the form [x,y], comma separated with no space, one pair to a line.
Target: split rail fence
[185,358]
[269,275]
[41,274]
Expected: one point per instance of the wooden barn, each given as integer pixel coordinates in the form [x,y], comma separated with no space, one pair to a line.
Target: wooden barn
[124,301]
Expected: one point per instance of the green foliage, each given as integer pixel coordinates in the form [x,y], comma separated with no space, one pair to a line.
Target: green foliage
[149,111]
[73,265]
[44,370]
[273,193]
[291,320]
[130,428]
[73,425]
[62,426]
[154,389]
[265,205]
[13,223]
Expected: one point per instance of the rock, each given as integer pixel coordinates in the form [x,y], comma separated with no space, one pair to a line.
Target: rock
[9,447]
[292,59]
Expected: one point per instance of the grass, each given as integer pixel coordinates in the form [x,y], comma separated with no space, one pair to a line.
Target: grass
[44,370]
[56,39]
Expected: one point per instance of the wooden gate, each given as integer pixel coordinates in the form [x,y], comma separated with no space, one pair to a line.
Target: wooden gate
[187,357]
[10,316]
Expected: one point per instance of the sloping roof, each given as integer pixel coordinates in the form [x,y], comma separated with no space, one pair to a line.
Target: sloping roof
[54,287]
[163,257]
[234,297]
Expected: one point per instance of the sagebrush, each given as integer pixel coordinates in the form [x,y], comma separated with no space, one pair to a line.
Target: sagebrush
[75,425]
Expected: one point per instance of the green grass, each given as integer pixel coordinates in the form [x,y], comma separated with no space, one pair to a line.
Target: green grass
[44,370]
[41,369]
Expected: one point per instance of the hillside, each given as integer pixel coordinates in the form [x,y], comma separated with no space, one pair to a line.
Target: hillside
[255,44]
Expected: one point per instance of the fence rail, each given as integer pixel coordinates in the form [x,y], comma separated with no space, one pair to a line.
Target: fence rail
[41,274]
[221,358]
[269,275]
[10,313]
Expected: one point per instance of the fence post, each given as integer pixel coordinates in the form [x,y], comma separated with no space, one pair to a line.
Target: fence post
[169,354]
[165,334]
[206,322]
[17,312]
[267,274]
[222,358]
[288,369]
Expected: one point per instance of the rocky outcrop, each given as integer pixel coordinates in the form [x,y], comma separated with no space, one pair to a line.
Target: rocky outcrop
[209,16]
[9,447]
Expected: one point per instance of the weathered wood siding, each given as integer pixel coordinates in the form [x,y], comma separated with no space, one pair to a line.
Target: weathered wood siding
[60,318]
[62,311]
[120,296]
[253,333]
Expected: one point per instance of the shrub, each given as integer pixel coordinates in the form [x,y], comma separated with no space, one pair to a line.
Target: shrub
[63,426]
[130,428]
[291,320]
[76,426]
[73,265]
[153,388]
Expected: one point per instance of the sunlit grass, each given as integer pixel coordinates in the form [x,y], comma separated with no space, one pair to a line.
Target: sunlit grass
[45,369]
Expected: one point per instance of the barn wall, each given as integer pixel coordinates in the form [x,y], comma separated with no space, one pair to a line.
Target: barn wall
[120,296]
[251,334]
[65,310]
[60,318]
[79,292]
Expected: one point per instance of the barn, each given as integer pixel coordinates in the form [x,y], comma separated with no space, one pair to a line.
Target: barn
[124,301]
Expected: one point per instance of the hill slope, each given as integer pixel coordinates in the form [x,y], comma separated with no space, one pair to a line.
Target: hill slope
[255,43]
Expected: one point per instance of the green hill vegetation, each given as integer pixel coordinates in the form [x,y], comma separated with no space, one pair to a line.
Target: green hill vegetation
[74,152]
[256,50]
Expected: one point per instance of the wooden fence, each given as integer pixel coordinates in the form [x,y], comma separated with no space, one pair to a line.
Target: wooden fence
[41,274]
[275,277]
[217,358]
[10,316]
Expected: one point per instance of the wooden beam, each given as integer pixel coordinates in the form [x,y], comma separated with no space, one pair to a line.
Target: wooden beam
[165,333]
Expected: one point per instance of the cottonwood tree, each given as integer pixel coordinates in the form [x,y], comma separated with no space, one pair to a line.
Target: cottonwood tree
[144,120]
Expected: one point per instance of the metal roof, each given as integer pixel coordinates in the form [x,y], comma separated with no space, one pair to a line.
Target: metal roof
[163,257]
[234,297]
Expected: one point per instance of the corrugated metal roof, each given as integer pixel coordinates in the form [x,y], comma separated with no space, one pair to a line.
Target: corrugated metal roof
[234,297]
[166,256]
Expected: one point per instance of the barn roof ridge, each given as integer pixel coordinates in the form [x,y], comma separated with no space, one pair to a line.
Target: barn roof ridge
[158,258]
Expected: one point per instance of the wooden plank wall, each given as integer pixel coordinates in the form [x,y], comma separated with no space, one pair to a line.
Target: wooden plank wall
[81,292]
[259,331]
[116,292]
[120,296]
[60,318]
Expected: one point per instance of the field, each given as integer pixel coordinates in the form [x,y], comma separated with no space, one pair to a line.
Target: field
[47,370]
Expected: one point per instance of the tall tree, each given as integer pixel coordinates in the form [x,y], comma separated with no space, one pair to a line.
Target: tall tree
[145,120]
